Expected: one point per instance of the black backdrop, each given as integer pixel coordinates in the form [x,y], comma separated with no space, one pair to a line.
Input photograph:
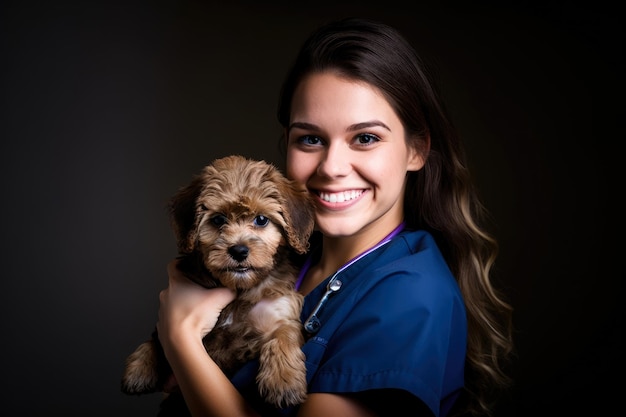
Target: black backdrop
[107,108]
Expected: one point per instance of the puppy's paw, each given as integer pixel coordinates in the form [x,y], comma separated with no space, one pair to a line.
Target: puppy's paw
[140,374]
[282,374]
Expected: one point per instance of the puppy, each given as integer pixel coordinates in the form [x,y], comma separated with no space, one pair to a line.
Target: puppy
[238,224]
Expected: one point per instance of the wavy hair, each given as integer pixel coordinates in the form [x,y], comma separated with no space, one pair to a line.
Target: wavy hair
[439,198]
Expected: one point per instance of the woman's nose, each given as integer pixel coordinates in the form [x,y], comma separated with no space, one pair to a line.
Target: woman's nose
[335,162]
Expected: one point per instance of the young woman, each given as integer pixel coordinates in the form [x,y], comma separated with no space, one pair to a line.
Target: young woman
[399,307]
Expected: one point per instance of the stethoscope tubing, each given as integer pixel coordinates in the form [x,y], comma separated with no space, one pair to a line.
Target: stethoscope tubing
[313,323]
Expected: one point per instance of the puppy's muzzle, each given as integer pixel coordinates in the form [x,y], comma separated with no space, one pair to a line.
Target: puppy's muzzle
[239,252]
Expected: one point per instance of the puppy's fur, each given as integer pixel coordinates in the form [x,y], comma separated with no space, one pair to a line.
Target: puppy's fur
[238,224]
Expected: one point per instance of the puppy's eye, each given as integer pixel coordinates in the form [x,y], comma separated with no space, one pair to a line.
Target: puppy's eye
[218,220]
[261,221]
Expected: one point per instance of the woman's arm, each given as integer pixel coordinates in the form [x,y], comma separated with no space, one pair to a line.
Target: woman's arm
[380,402]
[333,405]
[187,313]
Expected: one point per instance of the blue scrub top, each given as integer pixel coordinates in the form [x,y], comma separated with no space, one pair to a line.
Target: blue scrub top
[398,321]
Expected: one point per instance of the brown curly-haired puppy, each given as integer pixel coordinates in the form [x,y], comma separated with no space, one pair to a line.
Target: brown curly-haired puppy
[238,224]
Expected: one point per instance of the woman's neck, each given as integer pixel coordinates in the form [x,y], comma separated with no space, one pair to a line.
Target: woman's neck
[339,251]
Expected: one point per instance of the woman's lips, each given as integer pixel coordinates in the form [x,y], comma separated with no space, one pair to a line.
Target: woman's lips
[341,196]
[340,199]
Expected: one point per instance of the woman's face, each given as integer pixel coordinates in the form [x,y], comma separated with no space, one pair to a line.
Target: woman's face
[347,146]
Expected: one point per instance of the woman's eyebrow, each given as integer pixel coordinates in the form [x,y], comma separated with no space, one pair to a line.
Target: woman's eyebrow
[365,125]
[303,125]
[351,128]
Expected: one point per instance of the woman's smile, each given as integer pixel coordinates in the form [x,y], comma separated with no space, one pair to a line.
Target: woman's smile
[339,200]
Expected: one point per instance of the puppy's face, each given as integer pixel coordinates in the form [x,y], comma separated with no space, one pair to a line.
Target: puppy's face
[238,238]
[237,214]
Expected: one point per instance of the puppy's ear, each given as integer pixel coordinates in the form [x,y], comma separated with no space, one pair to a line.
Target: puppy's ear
[299,215]
[183,218]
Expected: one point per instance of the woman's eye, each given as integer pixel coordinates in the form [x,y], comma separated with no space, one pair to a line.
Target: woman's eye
[309,140]
[218,220]
[261,221]
[367,138]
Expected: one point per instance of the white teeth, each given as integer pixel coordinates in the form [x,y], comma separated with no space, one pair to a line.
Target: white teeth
[341,197]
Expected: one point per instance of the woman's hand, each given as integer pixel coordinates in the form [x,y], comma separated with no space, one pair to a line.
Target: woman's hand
[188,309]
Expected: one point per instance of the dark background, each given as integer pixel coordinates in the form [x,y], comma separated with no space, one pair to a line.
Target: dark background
[107,108]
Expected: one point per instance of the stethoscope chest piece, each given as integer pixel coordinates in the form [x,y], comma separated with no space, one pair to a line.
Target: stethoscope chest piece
[313,324]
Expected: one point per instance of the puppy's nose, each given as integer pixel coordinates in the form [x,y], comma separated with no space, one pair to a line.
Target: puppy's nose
[238,252]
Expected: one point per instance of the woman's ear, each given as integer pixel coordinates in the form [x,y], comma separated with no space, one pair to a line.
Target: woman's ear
[417,153]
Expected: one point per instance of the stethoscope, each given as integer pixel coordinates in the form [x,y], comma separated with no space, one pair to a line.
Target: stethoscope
[313,323]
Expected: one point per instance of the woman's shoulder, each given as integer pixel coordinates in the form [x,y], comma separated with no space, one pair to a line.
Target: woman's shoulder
[419,242]
[411,270]
[415,253]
